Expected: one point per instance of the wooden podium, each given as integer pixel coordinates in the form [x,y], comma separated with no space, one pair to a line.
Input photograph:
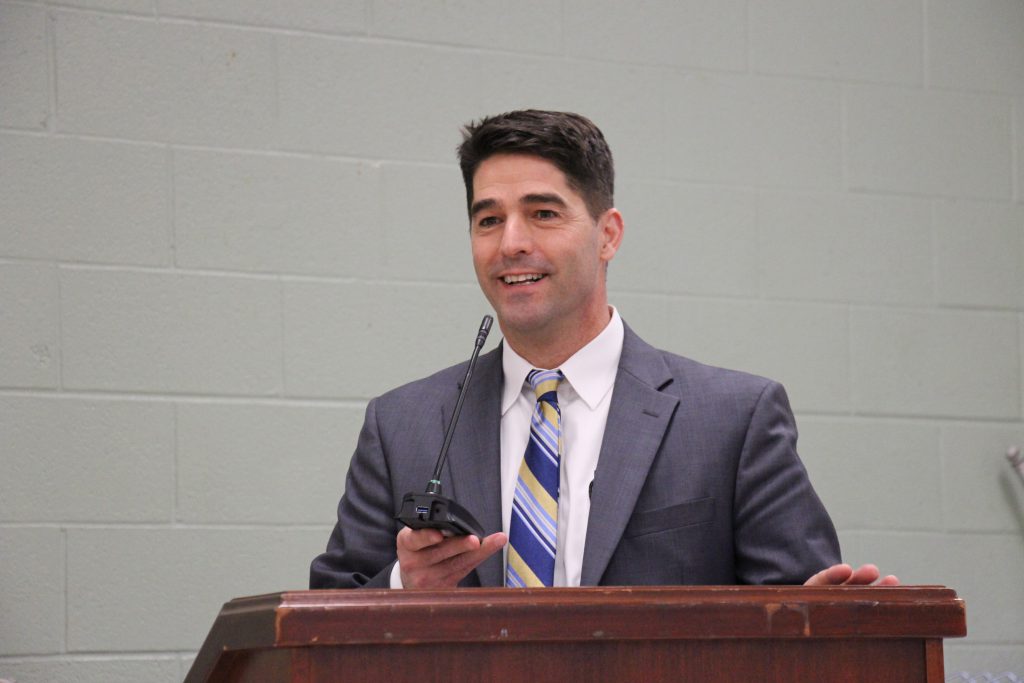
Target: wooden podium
[572,635]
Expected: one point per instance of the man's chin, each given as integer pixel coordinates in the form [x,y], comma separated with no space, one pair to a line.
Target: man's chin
[520,320]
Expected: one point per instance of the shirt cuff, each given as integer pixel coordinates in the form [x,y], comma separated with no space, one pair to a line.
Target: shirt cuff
[396,576]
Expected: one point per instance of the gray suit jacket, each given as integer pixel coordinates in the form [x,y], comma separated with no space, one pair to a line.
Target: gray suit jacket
[698,480]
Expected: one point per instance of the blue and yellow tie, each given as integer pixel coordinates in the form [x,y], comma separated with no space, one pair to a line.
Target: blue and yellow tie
[534,526]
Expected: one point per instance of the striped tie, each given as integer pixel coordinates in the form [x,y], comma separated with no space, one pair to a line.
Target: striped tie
[534,527]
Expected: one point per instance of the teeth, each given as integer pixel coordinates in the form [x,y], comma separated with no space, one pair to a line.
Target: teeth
[513,279]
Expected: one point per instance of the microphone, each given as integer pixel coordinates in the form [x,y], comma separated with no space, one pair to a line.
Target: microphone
[431,510]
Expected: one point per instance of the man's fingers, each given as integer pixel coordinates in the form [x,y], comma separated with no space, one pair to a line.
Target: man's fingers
[838,574]
[465,562]
[444,562]
[429,566]
[418,539]
[457,566]
[833,576]
[845,575]
[493,543]
[430,546]
[488,546]
[866,574]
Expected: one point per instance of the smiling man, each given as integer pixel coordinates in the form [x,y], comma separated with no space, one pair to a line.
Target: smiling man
[540,256]
[588,456]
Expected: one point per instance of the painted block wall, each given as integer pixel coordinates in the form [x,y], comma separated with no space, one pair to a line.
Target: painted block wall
[224,226]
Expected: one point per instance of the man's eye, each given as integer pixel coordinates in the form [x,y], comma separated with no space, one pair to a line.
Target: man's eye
[546,214]
[488,221]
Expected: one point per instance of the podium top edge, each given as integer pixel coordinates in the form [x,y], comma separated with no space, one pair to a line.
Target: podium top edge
[592,594]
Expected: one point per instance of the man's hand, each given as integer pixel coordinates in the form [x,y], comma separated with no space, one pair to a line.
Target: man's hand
[428,559]
[845,575]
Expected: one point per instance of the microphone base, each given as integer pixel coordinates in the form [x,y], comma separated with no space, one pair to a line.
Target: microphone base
[432,511]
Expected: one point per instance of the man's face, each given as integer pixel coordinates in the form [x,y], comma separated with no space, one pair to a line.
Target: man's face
[539,255]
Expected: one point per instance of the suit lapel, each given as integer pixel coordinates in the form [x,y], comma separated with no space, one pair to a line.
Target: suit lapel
[637,419]
[474,459]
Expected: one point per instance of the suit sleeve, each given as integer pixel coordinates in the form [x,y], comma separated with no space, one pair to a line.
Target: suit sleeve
[783,534]
[361,549]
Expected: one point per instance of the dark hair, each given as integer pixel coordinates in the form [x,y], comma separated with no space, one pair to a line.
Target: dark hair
[569,141]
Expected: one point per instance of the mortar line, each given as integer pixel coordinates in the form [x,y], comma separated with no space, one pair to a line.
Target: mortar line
[176,462]
[1016,144]
[171,231]
[51,69]
[60,326]
[925,47]
[67,591]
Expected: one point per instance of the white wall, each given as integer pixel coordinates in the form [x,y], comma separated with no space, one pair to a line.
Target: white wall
[225,225]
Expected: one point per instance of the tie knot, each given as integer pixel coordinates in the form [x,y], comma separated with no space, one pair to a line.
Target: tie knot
[545,382]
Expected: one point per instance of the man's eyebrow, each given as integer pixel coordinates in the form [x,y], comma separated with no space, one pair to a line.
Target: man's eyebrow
[543,198]
[533,198]
[482,205]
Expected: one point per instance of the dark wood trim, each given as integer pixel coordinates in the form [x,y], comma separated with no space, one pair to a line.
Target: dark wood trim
[304,635]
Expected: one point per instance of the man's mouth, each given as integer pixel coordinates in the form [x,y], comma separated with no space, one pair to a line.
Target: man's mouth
[524,279]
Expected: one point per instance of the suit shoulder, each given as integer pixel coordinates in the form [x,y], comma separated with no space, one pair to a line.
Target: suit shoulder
[705,371]
[673,373]
[733,396]
[711,380]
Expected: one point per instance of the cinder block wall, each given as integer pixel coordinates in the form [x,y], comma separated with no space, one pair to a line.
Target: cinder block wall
[224,226]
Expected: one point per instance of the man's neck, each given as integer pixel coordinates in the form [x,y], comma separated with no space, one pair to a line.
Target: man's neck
[549,351]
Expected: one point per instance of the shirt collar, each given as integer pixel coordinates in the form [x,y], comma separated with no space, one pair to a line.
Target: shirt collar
[590,371]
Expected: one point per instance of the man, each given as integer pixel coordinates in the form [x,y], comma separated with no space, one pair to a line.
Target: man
[641,467]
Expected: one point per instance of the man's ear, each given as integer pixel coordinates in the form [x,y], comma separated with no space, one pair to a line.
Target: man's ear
[611,226]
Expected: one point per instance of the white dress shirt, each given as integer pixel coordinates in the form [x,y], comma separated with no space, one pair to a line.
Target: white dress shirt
[584,397]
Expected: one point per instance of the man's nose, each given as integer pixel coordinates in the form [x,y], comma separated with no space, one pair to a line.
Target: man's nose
[517,237]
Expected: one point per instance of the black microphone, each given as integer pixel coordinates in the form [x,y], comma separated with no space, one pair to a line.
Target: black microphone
[431,510]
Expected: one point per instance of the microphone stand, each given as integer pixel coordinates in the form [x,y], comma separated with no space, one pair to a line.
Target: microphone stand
[431,510]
